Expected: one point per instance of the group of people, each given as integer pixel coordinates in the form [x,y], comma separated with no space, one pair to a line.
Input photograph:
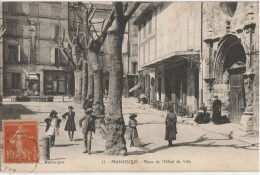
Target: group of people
[53,124]
[204,117]
[170,126]
[87,123]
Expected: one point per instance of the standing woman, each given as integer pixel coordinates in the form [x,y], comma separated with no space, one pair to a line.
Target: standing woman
[70,124]
[133,130]
[171,129]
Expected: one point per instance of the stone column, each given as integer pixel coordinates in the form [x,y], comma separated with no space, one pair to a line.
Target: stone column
[247,120]
[208,73]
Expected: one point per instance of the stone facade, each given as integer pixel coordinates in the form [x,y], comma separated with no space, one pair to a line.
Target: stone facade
[28,49]
[230,58]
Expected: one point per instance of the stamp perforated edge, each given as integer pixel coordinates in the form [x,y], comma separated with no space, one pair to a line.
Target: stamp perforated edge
[3,146]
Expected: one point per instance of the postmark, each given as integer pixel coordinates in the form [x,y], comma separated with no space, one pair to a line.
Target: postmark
[20,139]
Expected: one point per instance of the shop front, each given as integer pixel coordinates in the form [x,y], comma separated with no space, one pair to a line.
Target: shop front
[55,82]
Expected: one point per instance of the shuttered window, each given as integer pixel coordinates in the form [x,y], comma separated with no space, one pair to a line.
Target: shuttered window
[54,56]
[55,31]
[45,57]
[14,54]
[11,28]
[134,50]
[16,80]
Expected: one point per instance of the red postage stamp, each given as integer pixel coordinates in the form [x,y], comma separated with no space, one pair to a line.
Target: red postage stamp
[20,138]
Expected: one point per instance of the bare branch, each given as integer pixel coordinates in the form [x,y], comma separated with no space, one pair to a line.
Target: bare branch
[77,30]
[90,8]
[109,21]
[92,15]
[69,41]
[68,57]
[95,30]
[130,11]
[118,6]
[102,25]
[75,10]
[2,32]
[81,40]
[125,6]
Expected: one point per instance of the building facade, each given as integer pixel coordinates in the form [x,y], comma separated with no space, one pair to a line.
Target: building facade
[32,64]
[169,43]
[231,59]
[190,52]
[130,57]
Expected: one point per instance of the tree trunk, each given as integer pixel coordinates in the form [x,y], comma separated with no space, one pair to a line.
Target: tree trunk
[84,80]
[90,82]
[98,106]
[78,85]
[115,141]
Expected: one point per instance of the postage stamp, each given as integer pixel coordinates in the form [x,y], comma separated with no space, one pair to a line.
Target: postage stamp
[20,139]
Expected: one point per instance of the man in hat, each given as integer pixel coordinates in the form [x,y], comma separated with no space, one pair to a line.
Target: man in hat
[216,110]
[88,128]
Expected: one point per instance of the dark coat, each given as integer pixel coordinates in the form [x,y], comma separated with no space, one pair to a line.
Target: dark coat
[89,124]
[202,117]
[70,124]
[171,129]
[88,104]
[216,110]
[132,126]
[48,122]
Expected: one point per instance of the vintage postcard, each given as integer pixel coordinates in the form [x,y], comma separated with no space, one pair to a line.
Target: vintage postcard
[129,86]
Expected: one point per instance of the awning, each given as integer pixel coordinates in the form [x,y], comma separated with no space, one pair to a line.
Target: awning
[135,87]
[33,77]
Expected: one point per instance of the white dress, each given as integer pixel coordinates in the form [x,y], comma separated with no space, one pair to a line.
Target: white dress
[53,129]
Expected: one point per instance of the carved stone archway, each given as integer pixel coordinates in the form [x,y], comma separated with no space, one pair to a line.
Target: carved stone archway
[228,45]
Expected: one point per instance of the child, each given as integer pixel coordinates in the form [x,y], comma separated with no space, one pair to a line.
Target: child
[52,127]
[70,124]
[133,130]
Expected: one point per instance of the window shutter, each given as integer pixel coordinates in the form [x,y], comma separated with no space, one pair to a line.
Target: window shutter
[52,56]
[18,53]
[125,43]
[22,81]
[54,31]
[57,56]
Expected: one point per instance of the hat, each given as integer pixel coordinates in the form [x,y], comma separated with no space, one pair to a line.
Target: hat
[88,110]
[53,112]
[70,107]
[133,115]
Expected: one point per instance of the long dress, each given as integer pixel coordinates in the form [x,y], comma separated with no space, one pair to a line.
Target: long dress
[133,130]
[70,124]
[216,111]
[171,129]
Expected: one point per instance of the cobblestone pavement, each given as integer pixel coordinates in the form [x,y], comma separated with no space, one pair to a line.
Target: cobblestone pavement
[198,147]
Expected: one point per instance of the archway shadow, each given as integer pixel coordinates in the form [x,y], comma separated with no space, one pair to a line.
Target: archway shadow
[194,144]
